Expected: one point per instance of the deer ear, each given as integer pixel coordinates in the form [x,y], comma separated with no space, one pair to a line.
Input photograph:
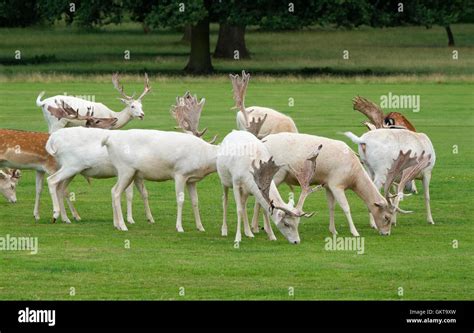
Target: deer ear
[3,175]
[123,100]
[16,173]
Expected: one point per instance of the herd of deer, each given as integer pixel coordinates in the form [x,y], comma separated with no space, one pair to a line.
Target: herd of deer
[264,152]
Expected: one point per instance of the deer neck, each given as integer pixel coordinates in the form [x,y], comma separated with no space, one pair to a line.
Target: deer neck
[123,117]
[365,188]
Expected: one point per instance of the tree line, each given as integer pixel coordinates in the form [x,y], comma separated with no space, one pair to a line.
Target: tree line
[193,17]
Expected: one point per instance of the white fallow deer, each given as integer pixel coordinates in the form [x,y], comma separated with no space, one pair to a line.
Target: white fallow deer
[25,150]
[377,119]
[239,154]
[78,150]
[338,169]
[379,148]
[160,156]
[276,122]
[133,108]
[8,181]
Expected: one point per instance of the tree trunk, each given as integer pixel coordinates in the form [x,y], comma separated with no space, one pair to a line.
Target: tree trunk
[450,35]
[186,34]
[200,56]
[231,42]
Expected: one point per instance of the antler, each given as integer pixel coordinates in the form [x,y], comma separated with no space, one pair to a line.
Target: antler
[256,125]
[187,112]
[118,86]
[305,176]
[370,110]
[402,162]
[411,172]
[62,110]
[239,88]
[263,177]
[147,88]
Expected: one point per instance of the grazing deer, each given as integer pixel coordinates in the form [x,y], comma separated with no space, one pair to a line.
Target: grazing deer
[160,156]
[133,108]
[377,119]
[378,149]
[276,122]
[236,165]
[26,150]
[8,181]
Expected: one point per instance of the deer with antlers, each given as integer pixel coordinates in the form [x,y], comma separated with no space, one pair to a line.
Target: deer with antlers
[339,169]
[378,149]
[377,119]
[133,108]
[276,122]
[246,166]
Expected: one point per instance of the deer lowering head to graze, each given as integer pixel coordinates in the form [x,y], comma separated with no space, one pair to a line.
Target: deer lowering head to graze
[246,166]
[377,119]
[133,109]
[338,169]
[8,181]
[25,150]
[187,113]
[276,122]
[378,149]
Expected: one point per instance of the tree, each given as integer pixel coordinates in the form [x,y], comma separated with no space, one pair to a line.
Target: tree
[18,13]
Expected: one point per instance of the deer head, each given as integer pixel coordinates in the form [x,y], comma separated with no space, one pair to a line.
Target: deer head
[287,217]
[404,168]
[8,181]
[134,106]
[187,113]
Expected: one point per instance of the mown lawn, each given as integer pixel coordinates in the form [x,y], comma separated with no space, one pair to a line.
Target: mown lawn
[400,50]
[90,255]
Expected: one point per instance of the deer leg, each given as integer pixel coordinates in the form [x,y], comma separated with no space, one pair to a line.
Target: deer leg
[55,182]
[426,192]
[267,226]
[129,196]
[256,213]
[247,231]
[341,199]
[179,183]
[139,183]
[73,209]
[195,203]
[39,189]
[225,199]
[240,212]
[124,180]
[331,206]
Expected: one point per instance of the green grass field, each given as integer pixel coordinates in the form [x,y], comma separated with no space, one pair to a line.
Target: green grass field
[401,50]
[91,257]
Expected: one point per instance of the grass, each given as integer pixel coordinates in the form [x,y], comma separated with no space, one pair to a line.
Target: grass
[91,257]
[394,51]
